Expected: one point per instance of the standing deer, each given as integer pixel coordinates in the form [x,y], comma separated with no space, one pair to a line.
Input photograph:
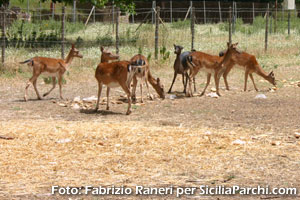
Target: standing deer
[144,75]
[181,67]
[249,63]
[52,67]
[210,64]
[115,74]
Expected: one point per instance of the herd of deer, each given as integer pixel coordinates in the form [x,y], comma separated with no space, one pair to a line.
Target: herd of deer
[122,73]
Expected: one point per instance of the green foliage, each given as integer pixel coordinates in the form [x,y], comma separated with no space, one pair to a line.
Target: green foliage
[48,80]
[164,53]
[46,33]
[181,24]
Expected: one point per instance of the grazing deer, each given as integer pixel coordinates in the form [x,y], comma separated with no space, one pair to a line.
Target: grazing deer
[145,75]
[115,74]
[106,55]
[181,67]
[210,64]
[52,67]
[249,63]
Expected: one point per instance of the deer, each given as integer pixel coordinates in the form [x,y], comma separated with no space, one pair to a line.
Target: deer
[211,65]
[107,56]
[180,67]
[52,67]
[145,76]
[249,63]
[115,74]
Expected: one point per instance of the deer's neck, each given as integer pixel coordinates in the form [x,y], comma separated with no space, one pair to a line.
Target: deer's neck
[69,58]
[262,73]
[153,82]
[177,61]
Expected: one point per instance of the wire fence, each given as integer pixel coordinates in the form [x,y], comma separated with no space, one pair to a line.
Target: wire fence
[55,25]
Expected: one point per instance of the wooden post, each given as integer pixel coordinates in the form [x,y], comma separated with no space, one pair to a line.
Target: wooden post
[132,18]
[117,30]
[40,10]
[63,33]
[253,15]
[289,22]
[153,13]
[233,18]
[282,13]
[113,16]
[220,13]
[156,31]
[193,27]
[191,5]
[3,34]
[171,12]
[74,10]
[53,7]
[28,6]
[229,20]
[266,34]
[87,20]
[94,16]
[275,21]
[271,20]
[204,12]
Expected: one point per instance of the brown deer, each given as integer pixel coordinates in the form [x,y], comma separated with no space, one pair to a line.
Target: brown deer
[52,67]
[249,63]
[107,56]
[181,67]
[210,64]
[145,75]
[115,74]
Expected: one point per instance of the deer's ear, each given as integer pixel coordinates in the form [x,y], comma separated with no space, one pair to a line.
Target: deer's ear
[73,46]
[101,48]
[158,80]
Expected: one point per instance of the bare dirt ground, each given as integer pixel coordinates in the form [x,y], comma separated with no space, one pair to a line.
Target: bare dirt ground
[179,142]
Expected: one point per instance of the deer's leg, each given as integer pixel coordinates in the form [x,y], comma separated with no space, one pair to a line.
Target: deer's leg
[99,95]
[246,78]
[190,77]
[133,96]
[184,82]
[36,90]
[251,76]
[31,81]
[149,94]
[175,75]
[194,81]
[217,79]
[53,86]
[141,88]
[225,74]
[127,91]
[60,78]
[208,76]
[107,95]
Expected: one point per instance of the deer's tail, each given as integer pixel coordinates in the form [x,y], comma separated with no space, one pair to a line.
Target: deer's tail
[30,62]
[190,61]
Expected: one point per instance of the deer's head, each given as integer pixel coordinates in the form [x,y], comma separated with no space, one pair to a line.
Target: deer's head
[160,89]
[271,78]
[177,49]
[75,52]
[106,55]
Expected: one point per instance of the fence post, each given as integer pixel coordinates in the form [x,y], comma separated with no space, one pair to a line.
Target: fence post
[40,11]
[153,13]
[52,7]
[204,12]
[193,27]
[271,20]
[289,22]
[156,31]
[94,16]
[113,16]
[253,10]
[117,30]
[233,17]
[28,6]
[3,35]
[74,10]
[171,11]
[220,12]
[132,18]
[63,33]
[267,23]
[191,5]
[275,21]
[229,20]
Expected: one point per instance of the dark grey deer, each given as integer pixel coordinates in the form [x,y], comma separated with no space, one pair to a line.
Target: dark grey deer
[181,67]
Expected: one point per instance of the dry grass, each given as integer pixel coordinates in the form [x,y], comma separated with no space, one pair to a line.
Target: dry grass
[133,153]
